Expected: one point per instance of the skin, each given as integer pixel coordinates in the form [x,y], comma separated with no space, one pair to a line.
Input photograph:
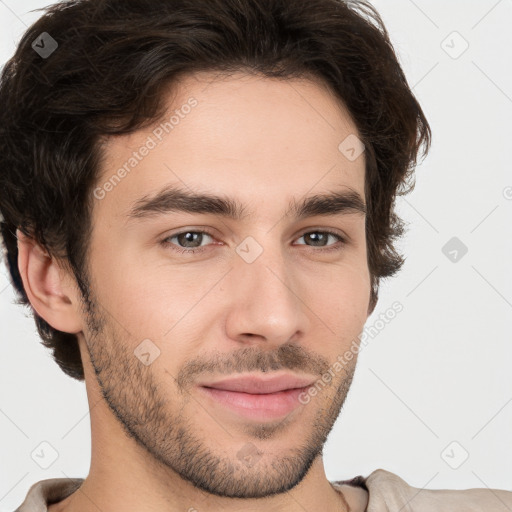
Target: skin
[157,442]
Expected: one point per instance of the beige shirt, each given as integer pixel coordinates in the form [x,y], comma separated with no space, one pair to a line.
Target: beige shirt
[382,491]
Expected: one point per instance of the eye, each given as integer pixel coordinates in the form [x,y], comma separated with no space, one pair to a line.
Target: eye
[191,239]
[190,242]
[319,238]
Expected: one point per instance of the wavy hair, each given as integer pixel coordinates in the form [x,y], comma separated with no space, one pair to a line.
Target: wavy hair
[114,61]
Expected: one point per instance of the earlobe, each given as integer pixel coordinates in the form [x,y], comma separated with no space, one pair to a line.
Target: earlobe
[49,291]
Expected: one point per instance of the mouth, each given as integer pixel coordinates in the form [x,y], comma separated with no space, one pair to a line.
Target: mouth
[257,398]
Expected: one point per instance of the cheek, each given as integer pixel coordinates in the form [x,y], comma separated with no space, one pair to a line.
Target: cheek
[340,298]
[151,297]
[130,294]
[148,299]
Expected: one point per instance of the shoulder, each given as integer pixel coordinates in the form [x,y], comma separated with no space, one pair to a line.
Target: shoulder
[48,491]
[388,492]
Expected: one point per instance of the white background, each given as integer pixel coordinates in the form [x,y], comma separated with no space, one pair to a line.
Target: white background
[441,370]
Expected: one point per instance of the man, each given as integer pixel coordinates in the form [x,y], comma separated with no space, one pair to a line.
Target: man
[197,203]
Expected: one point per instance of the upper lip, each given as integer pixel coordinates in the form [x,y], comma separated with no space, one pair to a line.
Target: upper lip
[256,384]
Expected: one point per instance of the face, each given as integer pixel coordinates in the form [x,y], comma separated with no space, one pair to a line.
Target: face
[266,277]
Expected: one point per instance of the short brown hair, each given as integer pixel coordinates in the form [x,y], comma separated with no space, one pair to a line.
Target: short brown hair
[108,74]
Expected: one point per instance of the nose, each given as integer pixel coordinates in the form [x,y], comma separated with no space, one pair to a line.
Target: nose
[267,301]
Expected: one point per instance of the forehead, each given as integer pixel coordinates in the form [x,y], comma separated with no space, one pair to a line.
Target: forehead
[242,135]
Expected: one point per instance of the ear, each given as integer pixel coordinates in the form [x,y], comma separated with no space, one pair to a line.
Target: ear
[48,286]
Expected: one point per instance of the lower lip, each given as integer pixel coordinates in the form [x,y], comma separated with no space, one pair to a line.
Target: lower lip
[267,406]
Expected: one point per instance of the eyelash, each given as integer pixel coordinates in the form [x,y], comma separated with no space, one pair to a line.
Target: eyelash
[165,242]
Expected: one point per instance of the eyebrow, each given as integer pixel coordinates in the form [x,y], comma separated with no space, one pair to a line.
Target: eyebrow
[175,199]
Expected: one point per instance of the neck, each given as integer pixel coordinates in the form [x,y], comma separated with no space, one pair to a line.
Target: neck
[120,484]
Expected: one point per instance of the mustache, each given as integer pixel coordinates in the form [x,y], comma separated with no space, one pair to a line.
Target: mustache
[288,356]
